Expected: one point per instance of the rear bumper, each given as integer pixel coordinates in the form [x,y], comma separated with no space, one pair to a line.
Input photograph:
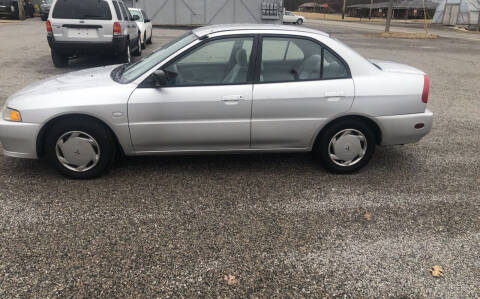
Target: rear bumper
[19,140]
[114,47]
[400,129]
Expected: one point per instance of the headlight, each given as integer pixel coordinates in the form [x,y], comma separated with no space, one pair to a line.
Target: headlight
[11,114]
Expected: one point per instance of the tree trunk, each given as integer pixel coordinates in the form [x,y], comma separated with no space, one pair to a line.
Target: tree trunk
[21,10]
[343,9]
[389,16]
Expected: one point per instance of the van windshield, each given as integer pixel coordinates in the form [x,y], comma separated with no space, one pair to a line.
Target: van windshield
[84,10]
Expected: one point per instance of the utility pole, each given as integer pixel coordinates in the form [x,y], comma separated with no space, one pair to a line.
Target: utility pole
[21,10]
[389,16]
[370,13]
[343,9]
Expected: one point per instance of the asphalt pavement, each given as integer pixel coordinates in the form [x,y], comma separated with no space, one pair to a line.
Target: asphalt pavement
[279,225]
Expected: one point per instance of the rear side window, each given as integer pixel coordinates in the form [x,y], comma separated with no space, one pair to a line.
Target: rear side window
[117,10]
[125,11]
[85,10]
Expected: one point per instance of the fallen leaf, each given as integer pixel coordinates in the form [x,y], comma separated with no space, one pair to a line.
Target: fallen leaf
[436,271]
[367,216]
[230,280]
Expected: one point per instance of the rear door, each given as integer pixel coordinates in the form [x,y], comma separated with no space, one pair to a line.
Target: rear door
[300,84]
[82,21]
[131,25]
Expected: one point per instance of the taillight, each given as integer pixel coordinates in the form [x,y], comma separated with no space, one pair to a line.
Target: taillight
[426,89]
[49,27]
[117,28]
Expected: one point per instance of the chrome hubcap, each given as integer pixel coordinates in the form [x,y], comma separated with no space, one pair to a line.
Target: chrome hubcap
[347,147]
[77,151]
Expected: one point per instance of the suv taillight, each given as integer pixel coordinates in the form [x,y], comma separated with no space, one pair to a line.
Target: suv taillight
[49,27]
[426,89]
[117,28]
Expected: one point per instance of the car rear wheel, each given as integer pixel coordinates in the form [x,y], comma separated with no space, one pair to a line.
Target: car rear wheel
[345,147]
[149,41]
[80,149]
[144,42]
[299,21]
[59,60]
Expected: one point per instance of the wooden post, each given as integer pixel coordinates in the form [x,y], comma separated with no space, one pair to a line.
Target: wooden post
[370,12]
[21,10]
[389,16]
[343,9]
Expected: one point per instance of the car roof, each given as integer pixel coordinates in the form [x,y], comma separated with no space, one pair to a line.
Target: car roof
[202,31]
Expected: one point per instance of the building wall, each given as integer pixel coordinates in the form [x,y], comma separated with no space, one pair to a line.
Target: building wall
[203,12]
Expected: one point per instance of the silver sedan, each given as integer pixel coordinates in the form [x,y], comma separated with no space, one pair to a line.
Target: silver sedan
[222,89]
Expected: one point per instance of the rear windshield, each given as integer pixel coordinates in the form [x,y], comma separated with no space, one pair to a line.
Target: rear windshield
[84,9]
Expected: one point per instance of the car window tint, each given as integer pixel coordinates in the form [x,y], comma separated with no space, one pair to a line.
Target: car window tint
[290,59]
[127,12]
[145,16]
[333,68]
[224,61]
[85,9]
[117,10]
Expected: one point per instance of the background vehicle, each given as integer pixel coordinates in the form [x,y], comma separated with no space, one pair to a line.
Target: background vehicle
[44,7]
[9,8]
[144,25]
[91,27]
[225,89]
[290,17]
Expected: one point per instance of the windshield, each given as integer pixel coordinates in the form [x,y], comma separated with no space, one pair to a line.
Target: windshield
[137,13]
[129,72]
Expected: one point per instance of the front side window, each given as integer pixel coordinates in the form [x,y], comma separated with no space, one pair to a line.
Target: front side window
[85,9]
[222,61]
[286,59]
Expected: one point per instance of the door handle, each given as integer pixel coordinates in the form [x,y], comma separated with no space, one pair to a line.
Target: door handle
[231,100]
[334,96]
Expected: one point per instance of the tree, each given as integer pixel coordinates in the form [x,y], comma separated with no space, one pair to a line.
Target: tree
[21,10]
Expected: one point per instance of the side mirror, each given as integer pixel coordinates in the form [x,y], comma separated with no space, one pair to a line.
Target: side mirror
[160,78]
[147,21]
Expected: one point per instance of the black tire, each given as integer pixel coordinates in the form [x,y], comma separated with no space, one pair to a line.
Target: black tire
[299,22]
[138,51]
[149,41]
[144,43]
[322,147]
[126,55]
[59,60]
[101,134]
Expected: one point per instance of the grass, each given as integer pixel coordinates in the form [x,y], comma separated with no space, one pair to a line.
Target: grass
[338,17]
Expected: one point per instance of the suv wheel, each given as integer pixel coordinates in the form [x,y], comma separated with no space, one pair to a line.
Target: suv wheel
[345,147]
[138,51]
[80,149]
[126,55]
[59,60]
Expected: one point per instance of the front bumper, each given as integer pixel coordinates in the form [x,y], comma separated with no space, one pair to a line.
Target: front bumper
[19,140]
[400,129]
[116,46]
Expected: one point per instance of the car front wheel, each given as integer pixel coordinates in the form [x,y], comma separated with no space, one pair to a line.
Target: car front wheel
[345,147]
[80,149]
[299,21]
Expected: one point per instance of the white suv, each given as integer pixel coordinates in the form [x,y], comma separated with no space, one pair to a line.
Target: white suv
[91,27]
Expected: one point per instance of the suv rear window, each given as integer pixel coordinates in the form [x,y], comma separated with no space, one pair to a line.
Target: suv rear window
[85,10]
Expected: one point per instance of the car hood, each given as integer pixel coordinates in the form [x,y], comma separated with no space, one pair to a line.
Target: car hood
[94,77]
[393,67]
